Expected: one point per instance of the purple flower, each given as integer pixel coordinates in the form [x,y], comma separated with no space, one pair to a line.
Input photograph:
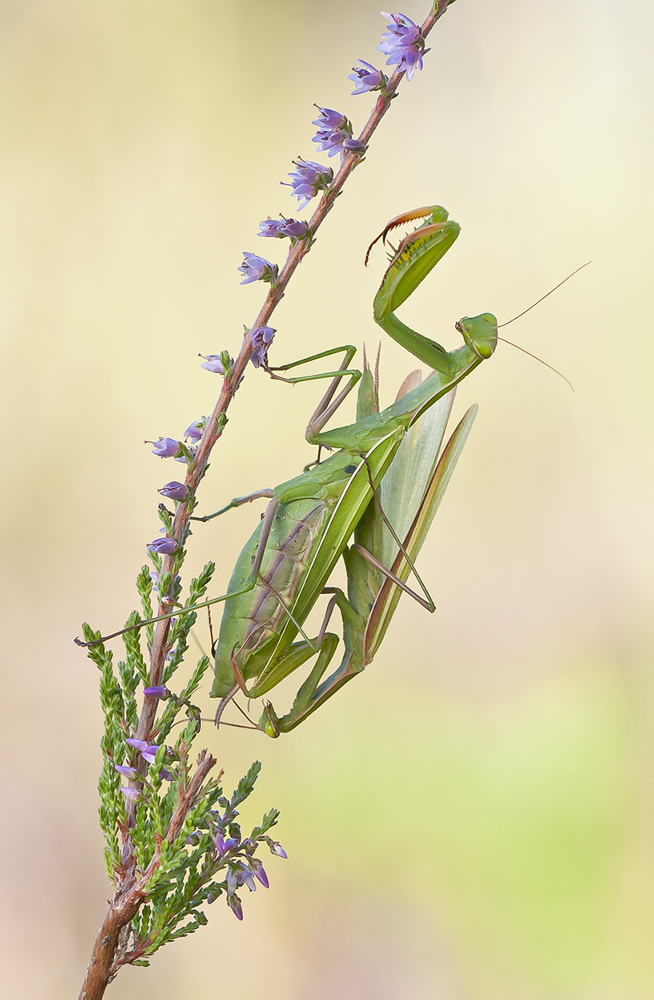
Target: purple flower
[174,491]
[230,844]
[401,30]
[147,752]
[165,447]
[367,78]
[259,872]
[165,546]
[128,772]
[277,849]
[194,430]
[308,180]
[137,744]
[234,904]
[130,793]
[247,879]
[329,118]
[403,43]
[272,227]
[158,691]
[257,268]
[296,229]
[262,338]
[213,362]
[334,130]
[354,146]
[219,841]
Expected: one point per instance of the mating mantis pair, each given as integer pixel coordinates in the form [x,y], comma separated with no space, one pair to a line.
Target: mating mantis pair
[386,471]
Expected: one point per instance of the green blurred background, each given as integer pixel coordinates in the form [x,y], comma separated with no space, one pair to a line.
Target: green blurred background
[472,818]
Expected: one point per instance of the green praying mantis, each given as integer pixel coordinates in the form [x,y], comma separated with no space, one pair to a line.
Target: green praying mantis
[386,469]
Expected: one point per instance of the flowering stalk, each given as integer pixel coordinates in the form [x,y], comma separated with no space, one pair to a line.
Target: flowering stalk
[172,848]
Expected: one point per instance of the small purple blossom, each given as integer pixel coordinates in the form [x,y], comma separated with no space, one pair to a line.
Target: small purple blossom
[247,879]
[367,78]
[148,752]
[277,849]
[329,118]
[262,338]
[130,793]
[401,30]
[128,772]
[137,744]
[403,43]
[296,229]
[219,841]
[235,906]
[158,691]
[212,363]
[308,180]
[333,132]
[272,227]
[194,430]
[230,844]
[354,146]
[259,872]
[165,546]
[175,491]
[165,447]
[257,268]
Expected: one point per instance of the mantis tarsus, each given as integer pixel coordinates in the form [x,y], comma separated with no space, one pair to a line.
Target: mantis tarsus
[286,564]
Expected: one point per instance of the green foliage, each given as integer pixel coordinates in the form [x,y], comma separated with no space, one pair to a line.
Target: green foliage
[186,864]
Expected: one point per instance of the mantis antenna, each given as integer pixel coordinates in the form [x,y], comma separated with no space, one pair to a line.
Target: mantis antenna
[541,299]
[532,306]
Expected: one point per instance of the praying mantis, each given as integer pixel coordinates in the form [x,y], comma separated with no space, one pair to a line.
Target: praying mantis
[358,491]
[286,564]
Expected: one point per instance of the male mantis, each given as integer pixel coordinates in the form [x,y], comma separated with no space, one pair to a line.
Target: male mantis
[286,564]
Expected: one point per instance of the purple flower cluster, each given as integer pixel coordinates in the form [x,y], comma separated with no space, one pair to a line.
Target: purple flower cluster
[367,78]
[308,180]
[333,131]
[403,44]
[147,751]
[262,338]
[257,268]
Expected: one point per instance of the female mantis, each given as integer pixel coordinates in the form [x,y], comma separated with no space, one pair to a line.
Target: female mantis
[286,564]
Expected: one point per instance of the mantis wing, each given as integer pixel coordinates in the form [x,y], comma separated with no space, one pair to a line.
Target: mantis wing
[410,494]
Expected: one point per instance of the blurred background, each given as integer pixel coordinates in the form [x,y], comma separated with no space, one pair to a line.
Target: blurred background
[472,818]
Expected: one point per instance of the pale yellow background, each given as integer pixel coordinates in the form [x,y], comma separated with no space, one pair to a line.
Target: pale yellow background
[471,819]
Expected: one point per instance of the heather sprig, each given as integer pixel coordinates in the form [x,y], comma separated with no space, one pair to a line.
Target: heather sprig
[172,841]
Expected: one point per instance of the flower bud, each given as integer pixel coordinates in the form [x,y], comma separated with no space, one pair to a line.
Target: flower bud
[175,491]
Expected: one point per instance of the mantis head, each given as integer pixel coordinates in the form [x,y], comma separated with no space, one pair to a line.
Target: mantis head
[479,333]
